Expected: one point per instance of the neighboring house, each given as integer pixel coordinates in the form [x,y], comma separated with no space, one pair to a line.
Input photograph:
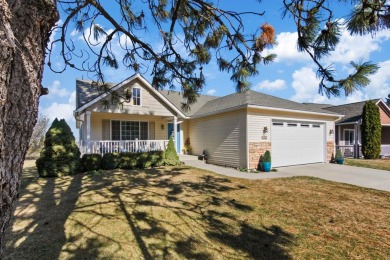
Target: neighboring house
[348,137]
[235,130]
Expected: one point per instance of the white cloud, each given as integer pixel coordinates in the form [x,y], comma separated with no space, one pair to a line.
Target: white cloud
[88,35]
[211,91]
[286,48]
[350,47]
[63,110]
[271,85]
[56,90]
[380,82]
[305,83]
[74,33]
[355,47]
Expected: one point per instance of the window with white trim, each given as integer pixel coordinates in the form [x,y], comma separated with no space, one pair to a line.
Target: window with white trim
[136,96]
[129,130]
[349,136]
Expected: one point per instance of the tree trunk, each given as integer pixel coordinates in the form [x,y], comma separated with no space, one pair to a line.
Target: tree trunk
[25,27]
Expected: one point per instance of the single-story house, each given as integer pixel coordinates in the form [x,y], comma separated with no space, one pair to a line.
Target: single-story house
[348,135]
[235,130]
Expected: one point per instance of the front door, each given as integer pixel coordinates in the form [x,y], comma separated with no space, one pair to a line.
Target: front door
[170,132]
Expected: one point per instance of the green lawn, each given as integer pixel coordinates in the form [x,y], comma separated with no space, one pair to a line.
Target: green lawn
[185,213]
[381,164]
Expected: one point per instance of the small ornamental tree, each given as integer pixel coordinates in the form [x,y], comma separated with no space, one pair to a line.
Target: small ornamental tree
[371,131]
[60,155]
[170,157]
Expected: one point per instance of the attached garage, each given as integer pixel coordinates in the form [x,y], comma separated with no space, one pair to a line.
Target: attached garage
[295,143]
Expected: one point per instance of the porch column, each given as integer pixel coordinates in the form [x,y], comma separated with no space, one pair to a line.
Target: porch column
[174,132]
[88,114]
[356,141]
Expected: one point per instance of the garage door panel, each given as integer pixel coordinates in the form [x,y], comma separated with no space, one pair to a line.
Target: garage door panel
[297,145]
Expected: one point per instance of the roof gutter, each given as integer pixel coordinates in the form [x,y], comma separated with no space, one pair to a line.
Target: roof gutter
[294,110]
[349,123]
[265,108]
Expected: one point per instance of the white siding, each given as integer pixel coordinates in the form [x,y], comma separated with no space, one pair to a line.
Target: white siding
[223,136]
[150,104]
[256,124]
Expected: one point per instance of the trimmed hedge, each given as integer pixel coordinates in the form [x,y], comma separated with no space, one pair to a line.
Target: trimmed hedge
[128,161]
[91,162]
[141,160]
[110,161]
[151,159]
[60,155]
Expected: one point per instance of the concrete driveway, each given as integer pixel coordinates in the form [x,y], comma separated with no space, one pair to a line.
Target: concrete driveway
[364,177]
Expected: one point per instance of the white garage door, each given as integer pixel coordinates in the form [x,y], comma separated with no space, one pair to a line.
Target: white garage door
[296,143]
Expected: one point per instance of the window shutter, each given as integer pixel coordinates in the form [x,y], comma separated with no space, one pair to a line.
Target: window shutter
[106,129]
[152,131]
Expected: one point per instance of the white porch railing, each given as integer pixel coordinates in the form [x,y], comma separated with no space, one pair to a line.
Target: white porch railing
[385,149]
[348,151]
[133,146]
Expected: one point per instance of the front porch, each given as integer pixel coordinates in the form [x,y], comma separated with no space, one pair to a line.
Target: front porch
[102,133]
[355,151]
[348,140]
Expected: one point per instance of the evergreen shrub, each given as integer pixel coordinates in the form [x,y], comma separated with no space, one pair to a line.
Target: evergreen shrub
[128,161]
[91,162]
[339,155]
[110,161]
[60,155]
[371,131]
[266,156]
[170,157]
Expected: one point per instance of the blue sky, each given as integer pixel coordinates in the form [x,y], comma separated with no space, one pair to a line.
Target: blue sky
[291,76]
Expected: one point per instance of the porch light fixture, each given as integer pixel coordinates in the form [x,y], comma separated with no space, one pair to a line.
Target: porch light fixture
[331,131]
[162,127]
[265,130]
[128,95]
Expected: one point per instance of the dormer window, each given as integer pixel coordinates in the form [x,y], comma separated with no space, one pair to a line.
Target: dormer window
[136,97]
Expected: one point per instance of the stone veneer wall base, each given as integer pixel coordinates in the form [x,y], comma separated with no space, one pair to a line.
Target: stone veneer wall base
[256,150]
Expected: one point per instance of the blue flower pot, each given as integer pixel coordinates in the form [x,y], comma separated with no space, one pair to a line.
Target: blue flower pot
[266,166]
[340,161]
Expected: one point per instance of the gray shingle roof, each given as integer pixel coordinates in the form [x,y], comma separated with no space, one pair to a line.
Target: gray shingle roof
[353,111]
[85,92]
[209,104]
[318,105]
[176,98]
[257,99]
